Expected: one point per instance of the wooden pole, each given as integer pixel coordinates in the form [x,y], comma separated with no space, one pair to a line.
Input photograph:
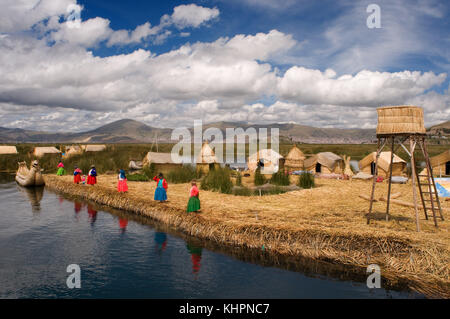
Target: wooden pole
[375,173]
[412,145]
[390,178]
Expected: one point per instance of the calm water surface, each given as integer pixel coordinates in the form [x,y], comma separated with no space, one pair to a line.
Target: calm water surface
[41,233]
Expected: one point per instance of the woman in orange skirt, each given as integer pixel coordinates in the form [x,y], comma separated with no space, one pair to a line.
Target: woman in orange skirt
[77,175]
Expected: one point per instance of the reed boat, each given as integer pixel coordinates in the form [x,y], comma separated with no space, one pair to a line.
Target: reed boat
[29,177]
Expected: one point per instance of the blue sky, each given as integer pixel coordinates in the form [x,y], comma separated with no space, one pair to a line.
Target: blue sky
[167,63]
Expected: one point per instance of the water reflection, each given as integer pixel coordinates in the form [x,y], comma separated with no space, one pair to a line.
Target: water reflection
[196,257]
[92,214]
[123,223]
[113,263]
[161,242]
[34,195]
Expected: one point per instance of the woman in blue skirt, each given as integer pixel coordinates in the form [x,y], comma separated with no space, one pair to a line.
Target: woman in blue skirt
[161,188]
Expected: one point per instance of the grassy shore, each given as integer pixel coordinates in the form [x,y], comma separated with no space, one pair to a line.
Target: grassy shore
[326,223]
[117,156]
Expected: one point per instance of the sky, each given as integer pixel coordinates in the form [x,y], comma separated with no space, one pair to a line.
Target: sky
[74,65]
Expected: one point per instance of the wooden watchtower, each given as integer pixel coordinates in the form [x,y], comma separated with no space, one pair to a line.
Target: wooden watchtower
[396,125]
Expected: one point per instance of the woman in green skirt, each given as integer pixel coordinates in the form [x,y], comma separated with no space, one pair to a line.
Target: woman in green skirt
[194,201]
[61,171]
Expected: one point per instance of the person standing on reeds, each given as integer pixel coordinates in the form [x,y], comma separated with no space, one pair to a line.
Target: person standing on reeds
[122,185]
[161,188]
[77,175]
[92,176]
[61,171]
[194,201]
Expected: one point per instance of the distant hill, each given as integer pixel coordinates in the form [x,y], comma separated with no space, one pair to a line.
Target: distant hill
[440,129]
[131,131]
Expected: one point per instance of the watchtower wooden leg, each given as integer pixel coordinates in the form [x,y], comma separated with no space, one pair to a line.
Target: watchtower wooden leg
[412,146]
[390,178]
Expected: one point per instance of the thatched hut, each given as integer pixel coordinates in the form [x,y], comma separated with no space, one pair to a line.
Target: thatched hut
[404,119]
[94,148]
[5,150]
[44,150]
[294,161]
[367,164]
[163,161]
[207,159]
[73,150]
[325,163]
[269,161]
[440,164]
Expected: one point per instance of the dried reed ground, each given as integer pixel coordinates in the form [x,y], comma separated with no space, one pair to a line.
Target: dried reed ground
[325,223]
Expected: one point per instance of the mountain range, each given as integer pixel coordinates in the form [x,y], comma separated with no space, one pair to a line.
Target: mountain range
[131,131]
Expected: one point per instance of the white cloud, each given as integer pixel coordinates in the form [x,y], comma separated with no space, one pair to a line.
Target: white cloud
[21,15]
[191,15]
[61,85]
[141,32]
[366,88]
[88,34]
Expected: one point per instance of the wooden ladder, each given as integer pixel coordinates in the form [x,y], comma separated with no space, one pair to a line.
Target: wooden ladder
[429,196]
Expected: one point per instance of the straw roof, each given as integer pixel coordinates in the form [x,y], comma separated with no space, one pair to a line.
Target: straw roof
[158,158]
[41,151]
[94,148]
[207,155]
[383,161]
[327,159]
[440,159]
[73,149]
[8,150]
[268,156]
[403,119]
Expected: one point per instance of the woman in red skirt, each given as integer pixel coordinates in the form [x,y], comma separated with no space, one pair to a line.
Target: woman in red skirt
[92,176]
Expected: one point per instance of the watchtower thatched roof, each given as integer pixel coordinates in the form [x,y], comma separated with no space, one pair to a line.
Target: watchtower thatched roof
[403,119]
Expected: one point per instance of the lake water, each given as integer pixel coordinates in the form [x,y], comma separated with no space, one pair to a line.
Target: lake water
[123,256]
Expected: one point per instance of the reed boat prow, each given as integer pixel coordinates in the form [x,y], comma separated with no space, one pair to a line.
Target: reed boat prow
[29,177]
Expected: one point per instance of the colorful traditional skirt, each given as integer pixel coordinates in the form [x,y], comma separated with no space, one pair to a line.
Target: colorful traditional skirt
[122,185]
[61,171]
[193,204]
[160,193]
[77,178]
[91,180]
